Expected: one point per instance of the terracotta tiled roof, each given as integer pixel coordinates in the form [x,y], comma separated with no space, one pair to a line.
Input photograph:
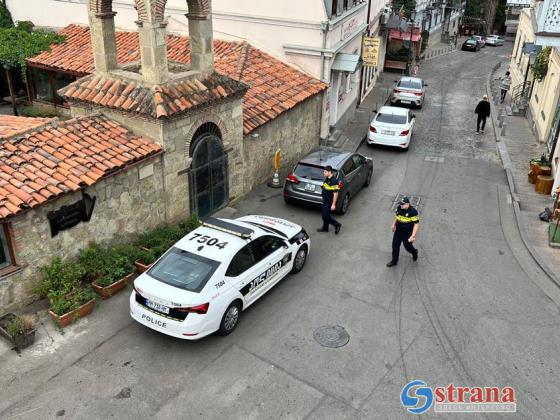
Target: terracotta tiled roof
[274,86]
[63,157]
[10,125]
[156,101]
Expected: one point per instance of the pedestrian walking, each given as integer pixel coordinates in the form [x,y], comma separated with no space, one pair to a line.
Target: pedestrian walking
[405,227]
[505,84]
[330,196]
[483,112]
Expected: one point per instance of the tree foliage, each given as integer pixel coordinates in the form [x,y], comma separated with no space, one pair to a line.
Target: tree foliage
[407,6]
[5,16]
[17,45]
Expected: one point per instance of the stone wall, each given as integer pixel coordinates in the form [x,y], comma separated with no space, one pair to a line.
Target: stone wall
[125,204]
[295,133]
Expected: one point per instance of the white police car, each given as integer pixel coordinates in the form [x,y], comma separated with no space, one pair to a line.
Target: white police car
[205,280]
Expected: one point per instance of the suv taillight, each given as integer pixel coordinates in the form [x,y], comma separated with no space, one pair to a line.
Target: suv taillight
[418,93]
[405,132]
[198,309]
[292,178]
[372,129]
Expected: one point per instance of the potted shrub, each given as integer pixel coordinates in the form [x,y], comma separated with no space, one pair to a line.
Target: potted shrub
[19,330]
[146,259]
[69,299]
[68,307]
[109,269]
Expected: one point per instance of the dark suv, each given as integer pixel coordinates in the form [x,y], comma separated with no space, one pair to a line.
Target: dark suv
[303,184]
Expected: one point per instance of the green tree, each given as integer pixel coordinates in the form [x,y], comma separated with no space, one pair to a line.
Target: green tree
[406,6]
[17,45]
[5,16]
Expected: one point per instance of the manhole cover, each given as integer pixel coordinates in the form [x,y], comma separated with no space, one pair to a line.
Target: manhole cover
[331,336]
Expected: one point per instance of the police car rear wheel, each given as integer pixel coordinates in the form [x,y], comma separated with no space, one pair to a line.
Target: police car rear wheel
[230,320]
[300,259]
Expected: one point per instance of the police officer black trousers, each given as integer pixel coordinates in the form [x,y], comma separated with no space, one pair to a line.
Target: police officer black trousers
[402,237]
[327,218]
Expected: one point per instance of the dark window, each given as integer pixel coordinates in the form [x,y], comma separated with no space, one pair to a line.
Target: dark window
[41,85]
[309,171]
[184,270]
[241,262]
[409,84]
[265,246]
[345,4]
[6,258]
[358,160]
[391,118]
[61,80]
[348,166]
[334,8]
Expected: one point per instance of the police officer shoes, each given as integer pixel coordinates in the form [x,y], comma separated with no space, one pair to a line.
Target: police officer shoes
[391,263]
[337,229]
[415,256]
[322,230]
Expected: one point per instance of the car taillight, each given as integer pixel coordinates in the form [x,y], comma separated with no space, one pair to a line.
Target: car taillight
[418,93]
[397,90]
[372,129]
[404,133]
[198,309]
[292,178]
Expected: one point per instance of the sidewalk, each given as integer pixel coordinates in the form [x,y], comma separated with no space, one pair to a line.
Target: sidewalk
[356,131]
[517,147]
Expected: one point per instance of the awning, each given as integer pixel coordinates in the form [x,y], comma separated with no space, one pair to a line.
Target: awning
[346,62]
[404,36]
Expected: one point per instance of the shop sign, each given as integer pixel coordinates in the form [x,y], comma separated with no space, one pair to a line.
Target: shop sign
[348,27]
[69,216]
[370,50]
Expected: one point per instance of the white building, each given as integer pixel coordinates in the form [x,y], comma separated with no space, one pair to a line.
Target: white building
[321,37]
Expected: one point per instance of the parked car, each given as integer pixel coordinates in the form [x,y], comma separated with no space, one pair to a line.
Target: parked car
[304,184]
[392,126]
[470,45]
[495,40]
[409,91]
[480,40]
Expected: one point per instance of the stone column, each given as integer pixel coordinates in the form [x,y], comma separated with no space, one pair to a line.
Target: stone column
[202,46]
[153,49]
[103,41]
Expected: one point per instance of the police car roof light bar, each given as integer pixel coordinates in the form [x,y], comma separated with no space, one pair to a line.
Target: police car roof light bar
[227,227]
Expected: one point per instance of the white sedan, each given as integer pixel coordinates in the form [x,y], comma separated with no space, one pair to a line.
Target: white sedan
[392,126]
[494,40]
[203,283]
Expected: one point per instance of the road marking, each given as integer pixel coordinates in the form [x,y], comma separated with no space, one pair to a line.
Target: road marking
[508,199]
[437,159]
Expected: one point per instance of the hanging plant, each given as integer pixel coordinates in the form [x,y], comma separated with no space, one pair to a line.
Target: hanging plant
[540,68]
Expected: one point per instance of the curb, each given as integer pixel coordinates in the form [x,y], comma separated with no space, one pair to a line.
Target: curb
[506,163]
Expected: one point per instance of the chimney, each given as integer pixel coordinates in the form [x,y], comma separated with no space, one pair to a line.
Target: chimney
[103,41]
[201,36]
[153,44]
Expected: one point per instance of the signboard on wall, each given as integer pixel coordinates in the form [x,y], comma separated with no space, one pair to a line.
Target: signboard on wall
[370,50]
[69,216]
[349,27]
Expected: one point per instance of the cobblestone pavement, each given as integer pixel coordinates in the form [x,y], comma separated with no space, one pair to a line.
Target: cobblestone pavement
[470,311]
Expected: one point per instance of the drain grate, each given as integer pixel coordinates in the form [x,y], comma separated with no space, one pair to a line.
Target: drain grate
[331,336]
[414,201]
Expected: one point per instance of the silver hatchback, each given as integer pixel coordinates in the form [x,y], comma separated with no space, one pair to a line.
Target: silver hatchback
[409,91]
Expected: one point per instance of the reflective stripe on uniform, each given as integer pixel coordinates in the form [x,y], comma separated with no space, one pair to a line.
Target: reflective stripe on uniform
[330,187]
[404,219]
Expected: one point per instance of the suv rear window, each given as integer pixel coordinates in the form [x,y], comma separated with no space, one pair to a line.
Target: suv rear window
[391,118]
[409,84]
[184,270]
[309,171]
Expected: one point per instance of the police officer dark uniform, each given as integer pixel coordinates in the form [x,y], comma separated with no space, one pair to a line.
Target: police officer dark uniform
[330,195]
[405,227]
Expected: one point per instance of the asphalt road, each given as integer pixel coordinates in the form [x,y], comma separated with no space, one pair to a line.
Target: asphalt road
[468,312]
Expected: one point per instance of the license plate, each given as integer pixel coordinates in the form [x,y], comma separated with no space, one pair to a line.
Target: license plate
[157,307]
[388,133]
[309,187]
[405,102]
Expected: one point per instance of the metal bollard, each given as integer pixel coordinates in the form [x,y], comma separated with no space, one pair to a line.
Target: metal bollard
[503,132]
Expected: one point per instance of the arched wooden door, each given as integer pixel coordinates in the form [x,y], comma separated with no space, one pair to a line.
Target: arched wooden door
[208,184]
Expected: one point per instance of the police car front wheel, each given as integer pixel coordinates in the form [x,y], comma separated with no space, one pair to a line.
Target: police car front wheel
[300,259]
[230,320]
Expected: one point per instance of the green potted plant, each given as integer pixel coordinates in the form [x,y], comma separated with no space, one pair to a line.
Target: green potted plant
[19,330]
[61,282]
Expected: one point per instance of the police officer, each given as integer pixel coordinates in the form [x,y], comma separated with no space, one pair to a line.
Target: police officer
[405,227]
[330,195]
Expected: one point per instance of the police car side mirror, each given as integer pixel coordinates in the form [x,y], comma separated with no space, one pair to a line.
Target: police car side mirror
[286,245]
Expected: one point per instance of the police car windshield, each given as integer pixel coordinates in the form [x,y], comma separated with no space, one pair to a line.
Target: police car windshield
[309,172]
[391,118]
[184,270]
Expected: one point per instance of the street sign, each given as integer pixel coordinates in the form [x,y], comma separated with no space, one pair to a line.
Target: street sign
[370,50]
